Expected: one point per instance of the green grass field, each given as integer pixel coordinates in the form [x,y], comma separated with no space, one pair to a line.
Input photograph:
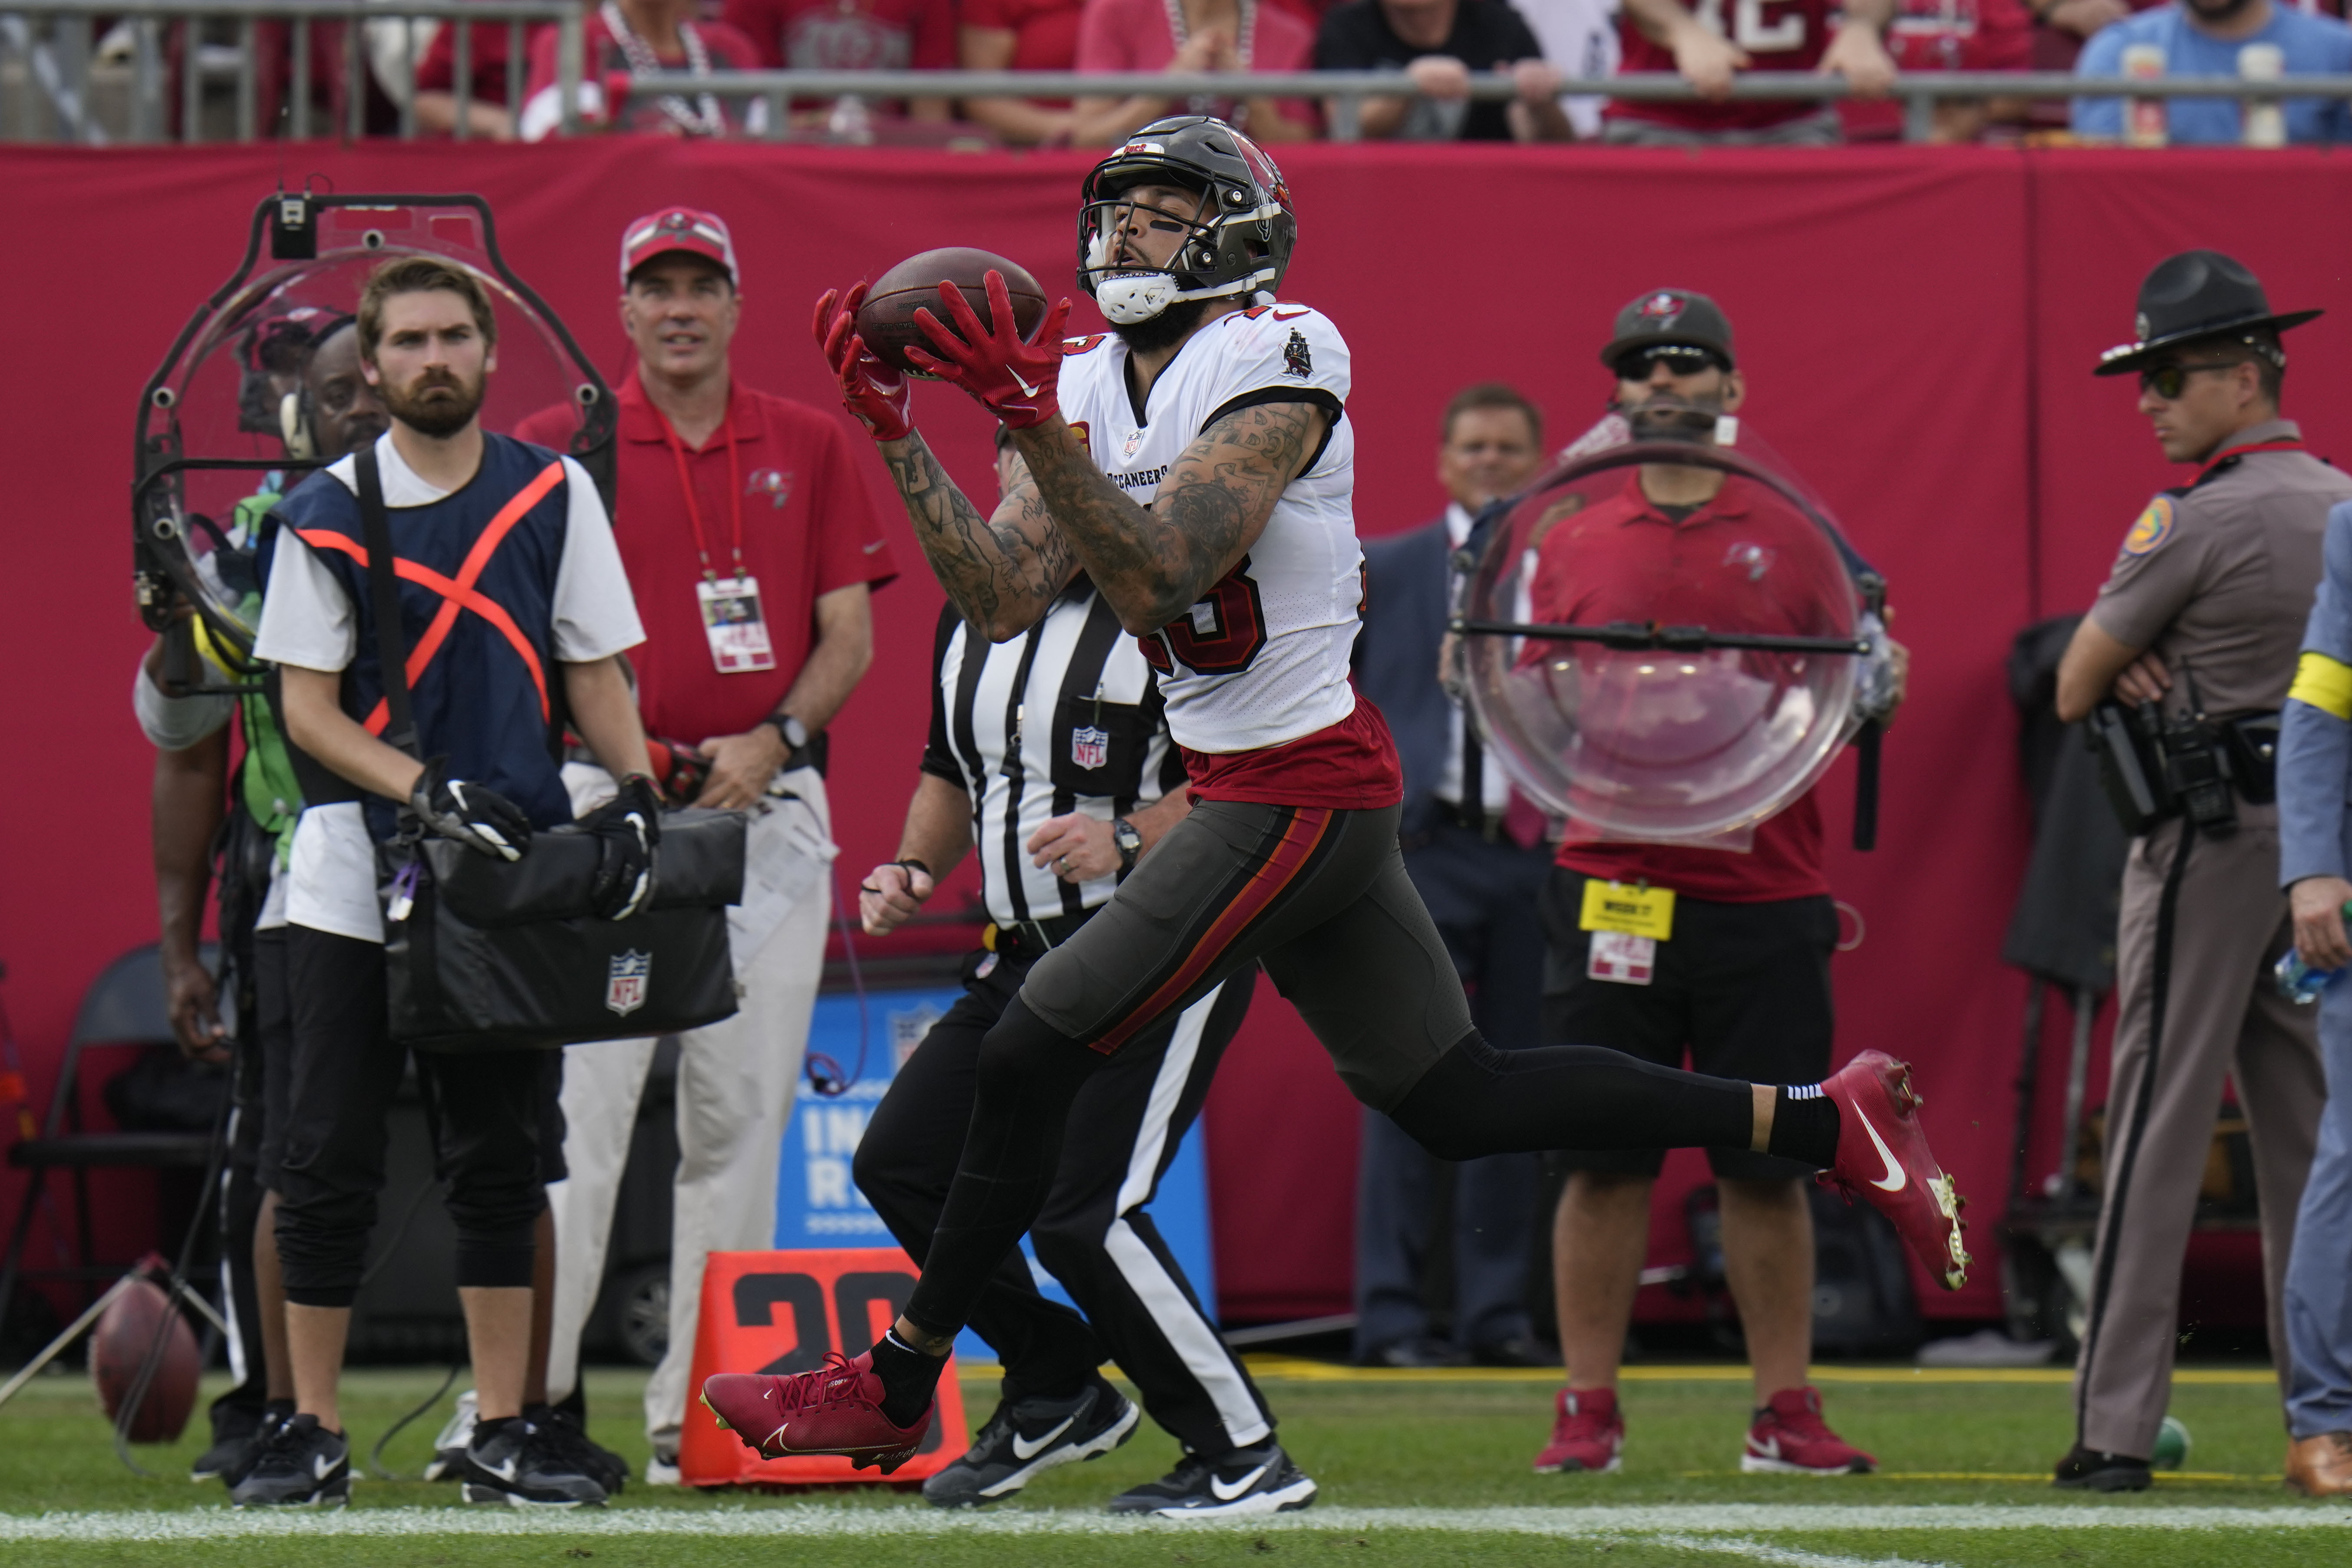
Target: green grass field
[1414,1468]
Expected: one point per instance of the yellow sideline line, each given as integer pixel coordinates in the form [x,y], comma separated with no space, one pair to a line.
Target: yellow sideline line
[1304,1371]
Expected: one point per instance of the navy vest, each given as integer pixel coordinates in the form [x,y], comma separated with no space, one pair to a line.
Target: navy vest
[490,697]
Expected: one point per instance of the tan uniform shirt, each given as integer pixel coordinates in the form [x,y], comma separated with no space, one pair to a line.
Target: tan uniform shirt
[2218,578]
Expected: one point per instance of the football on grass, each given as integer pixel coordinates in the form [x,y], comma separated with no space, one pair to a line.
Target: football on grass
[886,319]
[126,1335]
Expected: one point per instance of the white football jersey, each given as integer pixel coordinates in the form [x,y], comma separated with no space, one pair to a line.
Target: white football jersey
[1263,659]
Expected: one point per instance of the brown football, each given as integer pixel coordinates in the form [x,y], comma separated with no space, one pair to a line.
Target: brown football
[886,319]
[127,1330]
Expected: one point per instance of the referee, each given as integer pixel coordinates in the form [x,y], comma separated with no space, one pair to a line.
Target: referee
[1049,754]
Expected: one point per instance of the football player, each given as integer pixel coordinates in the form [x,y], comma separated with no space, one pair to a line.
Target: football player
[1197,463]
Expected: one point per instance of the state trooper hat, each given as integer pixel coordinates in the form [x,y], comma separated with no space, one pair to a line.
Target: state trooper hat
[1670,316]
[2198,294]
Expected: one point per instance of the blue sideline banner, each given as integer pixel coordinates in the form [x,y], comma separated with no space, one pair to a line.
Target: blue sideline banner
[817,1203]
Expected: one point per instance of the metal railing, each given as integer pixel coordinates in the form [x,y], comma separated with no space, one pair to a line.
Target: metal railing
[59,66]
[1917,92]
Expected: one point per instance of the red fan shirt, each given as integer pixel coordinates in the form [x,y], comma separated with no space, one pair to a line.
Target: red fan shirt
[1777,34]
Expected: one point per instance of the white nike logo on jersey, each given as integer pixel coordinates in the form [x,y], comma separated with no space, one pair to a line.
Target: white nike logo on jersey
[1023,1448]
[1226,1493]
[1894,1180]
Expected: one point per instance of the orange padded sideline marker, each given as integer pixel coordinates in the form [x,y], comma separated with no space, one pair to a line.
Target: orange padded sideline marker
[786,1311]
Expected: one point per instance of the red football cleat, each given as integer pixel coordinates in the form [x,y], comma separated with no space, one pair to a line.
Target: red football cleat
[836,1409]
[1589,1434]
[1883,1158]
[1790,1438]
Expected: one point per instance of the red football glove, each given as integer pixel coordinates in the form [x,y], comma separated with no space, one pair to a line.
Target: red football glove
[1012,378]
[871,389]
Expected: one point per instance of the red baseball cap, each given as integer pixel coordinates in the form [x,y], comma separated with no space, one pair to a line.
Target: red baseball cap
[677,228]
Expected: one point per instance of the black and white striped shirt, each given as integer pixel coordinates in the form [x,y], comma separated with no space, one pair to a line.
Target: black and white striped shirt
[1075,692]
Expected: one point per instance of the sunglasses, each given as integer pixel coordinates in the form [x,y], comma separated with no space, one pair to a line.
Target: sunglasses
[2168,382]
[1680,359]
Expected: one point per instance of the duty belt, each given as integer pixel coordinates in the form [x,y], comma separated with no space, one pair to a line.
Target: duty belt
[1026,941]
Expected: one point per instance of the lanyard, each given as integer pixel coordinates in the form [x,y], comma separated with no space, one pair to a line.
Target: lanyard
[685,487]
[2280,444]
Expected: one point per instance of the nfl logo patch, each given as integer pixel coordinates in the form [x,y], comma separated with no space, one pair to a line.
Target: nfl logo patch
[625,981]
[1089,747]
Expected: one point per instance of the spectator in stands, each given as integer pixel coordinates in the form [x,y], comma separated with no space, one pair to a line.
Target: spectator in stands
[624,38]
[1193,36]
[1438,43]
[854,36]
[490,116]
[1021,35]
[1765,35]
[1579,39]
[1930,36]
[2202,38]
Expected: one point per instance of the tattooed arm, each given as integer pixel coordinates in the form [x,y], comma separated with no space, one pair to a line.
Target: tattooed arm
[1003,571]
[1153,563]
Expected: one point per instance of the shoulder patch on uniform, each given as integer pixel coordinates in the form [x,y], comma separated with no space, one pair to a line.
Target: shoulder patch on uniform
[1297,358]
[2154,526]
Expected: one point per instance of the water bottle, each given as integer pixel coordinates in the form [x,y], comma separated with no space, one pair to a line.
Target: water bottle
[2299,982]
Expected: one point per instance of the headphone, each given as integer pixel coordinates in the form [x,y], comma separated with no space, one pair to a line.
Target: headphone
[294,408]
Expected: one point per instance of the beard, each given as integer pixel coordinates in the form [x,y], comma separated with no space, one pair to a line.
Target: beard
[435,403]
[1669,418]
[1165,330]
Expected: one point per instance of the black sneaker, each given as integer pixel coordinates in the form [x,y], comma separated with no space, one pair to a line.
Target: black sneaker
[2089,1470]
[1246,1482]
[514,1462]
[236,1428]
[274,1415]
[570,1434]
[1025,1439]
[300,1465]
[448,1460]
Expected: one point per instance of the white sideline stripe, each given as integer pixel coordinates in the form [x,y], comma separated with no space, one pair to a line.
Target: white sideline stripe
[1782,1556]
[1719,1524]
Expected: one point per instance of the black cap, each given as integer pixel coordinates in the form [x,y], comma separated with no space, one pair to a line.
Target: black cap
[2197,294]
[1670,316]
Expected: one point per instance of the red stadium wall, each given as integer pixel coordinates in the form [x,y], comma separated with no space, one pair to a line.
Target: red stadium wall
[1917,325]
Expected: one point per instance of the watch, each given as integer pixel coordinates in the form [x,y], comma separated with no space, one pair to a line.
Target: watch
[1123,834]
[794,734]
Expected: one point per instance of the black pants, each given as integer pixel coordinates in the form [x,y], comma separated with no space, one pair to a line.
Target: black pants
[1094,1233]
[483,1108]
[1321,898]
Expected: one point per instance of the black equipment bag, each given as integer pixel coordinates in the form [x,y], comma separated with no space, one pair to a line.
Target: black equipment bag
[496,955]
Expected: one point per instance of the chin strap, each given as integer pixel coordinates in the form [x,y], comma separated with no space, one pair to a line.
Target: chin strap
[1137,298]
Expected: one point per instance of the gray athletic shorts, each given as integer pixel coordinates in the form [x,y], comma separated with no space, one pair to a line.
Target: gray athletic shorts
[1319,896]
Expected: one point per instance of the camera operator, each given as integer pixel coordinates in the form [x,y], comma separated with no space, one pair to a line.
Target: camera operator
[506,554]
[333,410]
[2197,628]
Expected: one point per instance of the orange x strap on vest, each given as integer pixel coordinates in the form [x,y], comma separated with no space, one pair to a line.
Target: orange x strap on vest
[460,594]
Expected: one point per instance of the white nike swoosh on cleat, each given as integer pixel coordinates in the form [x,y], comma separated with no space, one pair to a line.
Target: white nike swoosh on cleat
[322,1467]
[1895,1179]
[1227,1494]
[1024,1450]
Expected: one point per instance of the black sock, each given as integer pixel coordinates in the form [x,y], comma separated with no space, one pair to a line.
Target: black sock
[485,1430]
[908,1377]
[1804,1125]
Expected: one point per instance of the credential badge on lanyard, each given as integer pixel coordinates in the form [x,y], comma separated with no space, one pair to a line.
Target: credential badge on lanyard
[732,617]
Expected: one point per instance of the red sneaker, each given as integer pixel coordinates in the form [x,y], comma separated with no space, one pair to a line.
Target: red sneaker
[1587,1434]
[1883,1158]
[836,1409]
[1789,1439]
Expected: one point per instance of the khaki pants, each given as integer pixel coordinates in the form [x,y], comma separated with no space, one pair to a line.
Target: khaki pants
[2223,1018]
[735,1084]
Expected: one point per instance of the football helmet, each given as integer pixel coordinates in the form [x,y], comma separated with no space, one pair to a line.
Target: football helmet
[1239,246]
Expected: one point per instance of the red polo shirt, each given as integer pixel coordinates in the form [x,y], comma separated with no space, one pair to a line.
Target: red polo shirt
[808,527]
[1621,559]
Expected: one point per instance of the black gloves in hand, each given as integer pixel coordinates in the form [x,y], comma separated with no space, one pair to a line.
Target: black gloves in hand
[482,819]
[626,828]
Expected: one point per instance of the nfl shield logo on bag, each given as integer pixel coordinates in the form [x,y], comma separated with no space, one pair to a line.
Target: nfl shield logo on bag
[1089,747]
[625,985]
